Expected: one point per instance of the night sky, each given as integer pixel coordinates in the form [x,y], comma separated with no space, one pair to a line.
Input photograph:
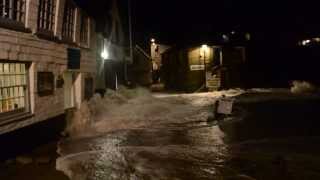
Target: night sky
[205,19]
[173,21]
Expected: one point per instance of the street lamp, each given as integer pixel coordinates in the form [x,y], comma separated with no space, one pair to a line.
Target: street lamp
[153,41]
[204,49]
[104,54]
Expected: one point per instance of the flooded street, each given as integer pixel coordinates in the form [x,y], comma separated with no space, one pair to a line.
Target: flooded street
[163,153]
[168,137]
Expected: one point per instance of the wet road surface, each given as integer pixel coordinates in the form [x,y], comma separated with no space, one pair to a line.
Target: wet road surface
[163,153]
[236,148]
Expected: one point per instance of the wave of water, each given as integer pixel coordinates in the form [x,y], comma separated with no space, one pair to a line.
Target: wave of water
[134,108]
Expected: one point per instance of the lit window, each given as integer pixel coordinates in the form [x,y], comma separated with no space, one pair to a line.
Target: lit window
[12,10]
[13,87]
[46,15]
[84,29]
[68,21]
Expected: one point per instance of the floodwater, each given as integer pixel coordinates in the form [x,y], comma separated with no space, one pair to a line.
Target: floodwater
[144,136]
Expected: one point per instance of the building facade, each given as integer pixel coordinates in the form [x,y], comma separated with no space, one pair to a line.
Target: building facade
[206,67]
[156,51]
[156,54]
[47,60]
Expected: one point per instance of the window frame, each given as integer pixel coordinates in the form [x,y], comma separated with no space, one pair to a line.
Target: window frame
[68,30]
[86,28]
[45,27]
[18,15]
[25,111]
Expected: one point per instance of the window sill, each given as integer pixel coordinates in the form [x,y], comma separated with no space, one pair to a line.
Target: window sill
[68,41]
[15,117]
[84,46]
[47,35]
[46,93]
[13,25]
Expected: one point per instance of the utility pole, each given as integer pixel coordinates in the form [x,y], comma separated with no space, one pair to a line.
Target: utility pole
[205,69]
[130,39]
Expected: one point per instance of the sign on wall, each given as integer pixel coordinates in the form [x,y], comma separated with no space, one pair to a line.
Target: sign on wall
[197,67]
[45,83]
[74,56]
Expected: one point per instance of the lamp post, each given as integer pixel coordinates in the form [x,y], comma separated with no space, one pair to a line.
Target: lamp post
[204,49]
[131,42]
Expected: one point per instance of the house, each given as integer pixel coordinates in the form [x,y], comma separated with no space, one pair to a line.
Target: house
[47,60]
[156,55]
[115,44]
[203,67]
[156,51]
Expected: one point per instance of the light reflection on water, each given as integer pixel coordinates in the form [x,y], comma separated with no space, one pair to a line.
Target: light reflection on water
[180,152]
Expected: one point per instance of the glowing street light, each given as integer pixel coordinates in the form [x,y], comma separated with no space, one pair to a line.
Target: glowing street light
[306,42]
[153,42]
[204,50]
[104,54]
[225,38]
[204,47]
[104,51]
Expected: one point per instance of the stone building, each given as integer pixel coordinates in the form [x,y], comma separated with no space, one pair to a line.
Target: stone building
[156,54]
[195,68]
[47,60]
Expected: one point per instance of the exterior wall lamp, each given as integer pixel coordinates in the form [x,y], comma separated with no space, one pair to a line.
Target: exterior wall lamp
[104,54]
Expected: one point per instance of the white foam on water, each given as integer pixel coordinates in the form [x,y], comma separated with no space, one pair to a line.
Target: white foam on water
[125,109]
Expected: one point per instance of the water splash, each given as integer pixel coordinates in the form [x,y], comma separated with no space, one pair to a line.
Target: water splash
[134,108]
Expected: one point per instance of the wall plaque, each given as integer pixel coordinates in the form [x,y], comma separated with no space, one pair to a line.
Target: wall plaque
[45,83]
[74,56]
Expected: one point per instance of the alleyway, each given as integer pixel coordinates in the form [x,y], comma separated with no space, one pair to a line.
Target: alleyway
[160,136]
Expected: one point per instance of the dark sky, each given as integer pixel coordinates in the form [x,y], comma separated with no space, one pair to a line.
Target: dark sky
[171,20]
[174,21]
